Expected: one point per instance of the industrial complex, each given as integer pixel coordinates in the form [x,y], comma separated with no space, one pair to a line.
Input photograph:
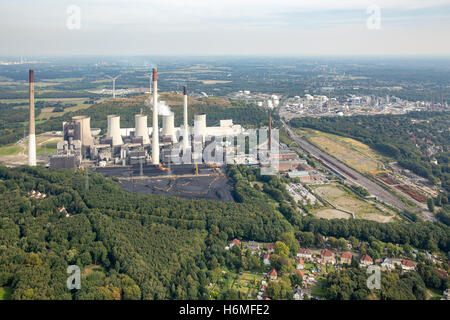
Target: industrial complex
[141,145]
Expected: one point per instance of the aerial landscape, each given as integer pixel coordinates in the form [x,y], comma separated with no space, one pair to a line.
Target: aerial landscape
[223,173]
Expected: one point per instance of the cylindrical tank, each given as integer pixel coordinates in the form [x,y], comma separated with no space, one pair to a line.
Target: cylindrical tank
[114,130]
[141,128]
[85,128]
[200,126]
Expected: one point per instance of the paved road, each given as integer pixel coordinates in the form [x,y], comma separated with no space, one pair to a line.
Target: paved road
[350,174]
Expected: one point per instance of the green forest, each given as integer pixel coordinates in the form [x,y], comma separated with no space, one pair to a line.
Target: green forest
[133,246]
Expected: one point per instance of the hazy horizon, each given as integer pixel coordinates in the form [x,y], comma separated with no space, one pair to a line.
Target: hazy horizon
[224,28]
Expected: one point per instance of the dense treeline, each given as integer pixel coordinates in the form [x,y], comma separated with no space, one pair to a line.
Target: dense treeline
[350,284]
[424,235]
[154,247]
[147,247]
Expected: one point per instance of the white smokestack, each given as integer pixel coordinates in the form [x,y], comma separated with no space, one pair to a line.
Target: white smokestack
[32,132]
[141,128]
[155,141]
[114,130]
[185,123]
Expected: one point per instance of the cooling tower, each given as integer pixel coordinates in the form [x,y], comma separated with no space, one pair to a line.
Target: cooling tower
[155,135]
[168,128]
[185,122]
[200,126]
[114,130]
[32,135]
[141,128]
[85,130]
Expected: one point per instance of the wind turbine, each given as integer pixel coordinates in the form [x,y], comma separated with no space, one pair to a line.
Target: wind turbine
[114,84]
[150,77]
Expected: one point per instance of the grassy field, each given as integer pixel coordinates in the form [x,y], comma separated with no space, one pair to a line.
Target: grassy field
[9,150]
[93,268]
[353,153]
[47,148]
[5,293]
[343,199]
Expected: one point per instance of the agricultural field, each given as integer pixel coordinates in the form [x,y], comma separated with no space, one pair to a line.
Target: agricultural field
[353,153]
[342,199]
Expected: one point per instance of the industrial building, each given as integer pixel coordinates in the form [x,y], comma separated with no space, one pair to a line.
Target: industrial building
[139,145]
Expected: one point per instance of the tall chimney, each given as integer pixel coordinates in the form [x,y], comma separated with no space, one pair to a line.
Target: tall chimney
[155,141]
[186,129]
[32,132]
[270,131]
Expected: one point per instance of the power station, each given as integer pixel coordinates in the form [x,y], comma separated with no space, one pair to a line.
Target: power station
[141,145]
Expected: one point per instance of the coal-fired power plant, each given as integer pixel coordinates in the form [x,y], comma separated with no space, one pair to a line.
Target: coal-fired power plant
[139,145]
[32,132]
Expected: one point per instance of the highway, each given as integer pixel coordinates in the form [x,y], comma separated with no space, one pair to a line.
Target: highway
[350,174]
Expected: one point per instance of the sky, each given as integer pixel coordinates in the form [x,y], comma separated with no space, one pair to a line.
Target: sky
[224,27]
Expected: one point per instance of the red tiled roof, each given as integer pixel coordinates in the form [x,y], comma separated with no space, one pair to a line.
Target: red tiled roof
[299,272]
[236,241]
[267,256]
[366,257]
[305,251]
[346,255]
[441,272]
[326,253]
[270,246]
[273,272]
[408,263]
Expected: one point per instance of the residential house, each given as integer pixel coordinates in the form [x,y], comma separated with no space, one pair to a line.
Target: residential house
[299,272]
[442,273]
[446,295]
[388,264]
[327,256]
[346,258]
[304,253]
[270,247]
[365,260]
[408,265]
[298,293]
[300,263]
[266,259]
[253,246]
[273,274]
[234,242]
